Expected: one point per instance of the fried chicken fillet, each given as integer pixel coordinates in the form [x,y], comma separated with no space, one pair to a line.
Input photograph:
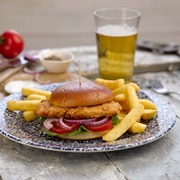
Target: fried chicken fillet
[106,109]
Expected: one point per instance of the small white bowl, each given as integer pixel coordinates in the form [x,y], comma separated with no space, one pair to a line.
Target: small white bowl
[53,65]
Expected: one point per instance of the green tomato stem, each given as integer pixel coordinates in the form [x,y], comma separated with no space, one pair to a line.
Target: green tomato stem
[1,39]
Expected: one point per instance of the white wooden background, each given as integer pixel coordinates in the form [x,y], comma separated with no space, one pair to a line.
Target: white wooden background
[58,23]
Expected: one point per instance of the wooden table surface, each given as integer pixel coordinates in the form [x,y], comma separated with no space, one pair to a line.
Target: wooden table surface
[157,160]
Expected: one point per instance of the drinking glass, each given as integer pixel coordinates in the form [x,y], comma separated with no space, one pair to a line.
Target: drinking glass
[116,36]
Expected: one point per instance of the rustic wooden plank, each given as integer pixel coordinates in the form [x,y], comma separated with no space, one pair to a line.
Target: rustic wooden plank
[41,22]
[158,160]
[21,162]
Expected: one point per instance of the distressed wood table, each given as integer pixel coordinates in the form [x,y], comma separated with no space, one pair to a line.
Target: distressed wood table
[159,159]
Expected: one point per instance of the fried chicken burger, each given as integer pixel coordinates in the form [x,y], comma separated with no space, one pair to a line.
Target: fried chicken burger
[78,111]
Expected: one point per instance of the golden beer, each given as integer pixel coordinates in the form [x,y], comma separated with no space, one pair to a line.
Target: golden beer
[116,51]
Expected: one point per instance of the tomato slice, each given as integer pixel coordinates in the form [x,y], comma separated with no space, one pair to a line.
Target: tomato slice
[59,130]
[106,126]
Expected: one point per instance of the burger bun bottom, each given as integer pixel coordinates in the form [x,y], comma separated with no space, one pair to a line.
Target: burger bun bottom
[86,135]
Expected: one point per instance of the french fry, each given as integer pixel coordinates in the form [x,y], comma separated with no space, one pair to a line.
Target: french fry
[124,125]
[111,84]
[137,127]
[35,97]
[121,115]
[28,91]
[149,114]
[147,104]
[125,103]
[119,98]
[120,90]
[29,115]
[132,97]
[22,105]
[136,87]
[150,109]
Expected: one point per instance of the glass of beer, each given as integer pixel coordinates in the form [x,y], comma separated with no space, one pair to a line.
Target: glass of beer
[116,36]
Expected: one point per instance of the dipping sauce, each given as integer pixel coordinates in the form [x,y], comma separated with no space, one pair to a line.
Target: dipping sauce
[53,57]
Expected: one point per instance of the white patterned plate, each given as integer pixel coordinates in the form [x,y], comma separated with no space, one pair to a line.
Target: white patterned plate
[15,128]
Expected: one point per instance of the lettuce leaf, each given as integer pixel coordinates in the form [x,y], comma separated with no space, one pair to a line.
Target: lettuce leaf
[115,120]
[78,130]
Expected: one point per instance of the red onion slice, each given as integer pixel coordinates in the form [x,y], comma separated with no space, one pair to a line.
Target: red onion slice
[79,121]
[64,125]
[39,81]
[98,123]
[29,71]
[48,123]
[31,56]
[90,122]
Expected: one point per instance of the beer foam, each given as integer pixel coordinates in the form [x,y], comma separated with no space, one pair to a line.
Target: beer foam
[117,30]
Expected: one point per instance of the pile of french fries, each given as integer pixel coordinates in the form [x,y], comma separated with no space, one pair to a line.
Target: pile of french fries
[33,98]
[133,108]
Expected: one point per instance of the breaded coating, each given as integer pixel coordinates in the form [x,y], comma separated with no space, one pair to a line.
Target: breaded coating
[107,109]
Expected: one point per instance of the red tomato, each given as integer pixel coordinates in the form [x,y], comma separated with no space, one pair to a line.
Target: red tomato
[59,130]
[106,126]
[11,44]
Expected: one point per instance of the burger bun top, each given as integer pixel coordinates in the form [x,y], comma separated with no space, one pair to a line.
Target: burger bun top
[79,95]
